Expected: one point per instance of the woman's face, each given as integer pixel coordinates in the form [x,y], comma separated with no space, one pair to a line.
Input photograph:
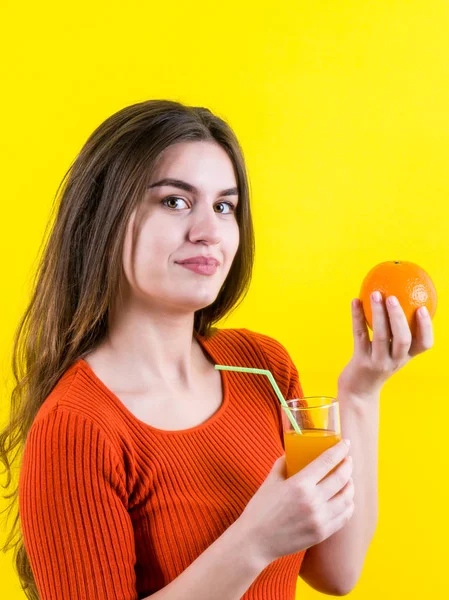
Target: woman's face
[191,217]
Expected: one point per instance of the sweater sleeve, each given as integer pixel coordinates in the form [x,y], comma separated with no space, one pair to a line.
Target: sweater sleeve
[283,369]
[76,527]
[280,364]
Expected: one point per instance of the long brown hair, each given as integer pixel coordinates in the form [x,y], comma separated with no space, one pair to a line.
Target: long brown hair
[78,274]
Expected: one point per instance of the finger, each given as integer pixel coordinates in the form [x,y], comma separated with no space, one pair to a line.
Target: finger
[381,329]
[362,342]
[342,500]
[423,339]
[316,470]
[342,517]
[402,336]
[336,481]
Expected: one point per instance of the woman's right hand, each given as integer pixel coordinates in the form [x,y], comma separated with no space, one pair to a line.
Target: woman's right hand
[289,515]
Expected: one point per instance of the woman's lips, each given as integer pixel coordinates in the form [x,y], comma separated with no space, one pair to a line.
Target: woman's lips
[200,268]
[203,265]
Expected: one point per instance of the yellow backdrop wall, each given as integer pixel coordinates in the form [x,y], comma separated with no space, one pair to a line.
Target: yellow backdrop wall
[341,108]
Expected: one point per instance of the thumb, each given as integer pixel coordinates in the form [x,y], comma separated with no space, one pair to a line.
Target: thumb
[278,470]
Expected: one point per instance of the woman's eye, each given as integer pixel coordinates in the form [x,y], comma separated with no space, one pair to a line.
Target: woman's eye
[223,206]
[172,201]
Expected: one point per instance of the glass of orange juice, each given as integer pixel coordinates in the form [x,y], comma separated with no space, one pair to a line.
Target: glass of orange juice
[318,417]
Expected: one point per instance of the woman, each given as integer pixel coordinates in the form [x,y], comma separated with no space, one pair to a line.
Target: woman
[145,471]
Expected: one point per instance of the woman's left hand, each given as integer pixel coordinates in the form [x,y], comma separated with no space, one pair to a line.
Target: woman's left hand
[392,346]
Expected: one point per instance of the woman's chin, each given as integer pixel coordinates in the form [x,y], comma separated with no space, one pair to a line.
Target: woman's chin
[199,300]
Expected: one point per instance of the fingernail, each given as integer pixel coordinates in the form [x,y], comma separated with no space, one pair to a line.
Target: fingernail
[376,296]
[423,312]
[393,301]
[347,442]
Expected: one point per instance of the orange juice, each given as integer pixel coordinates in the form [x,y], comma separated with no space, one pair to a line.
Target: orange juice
[300,450]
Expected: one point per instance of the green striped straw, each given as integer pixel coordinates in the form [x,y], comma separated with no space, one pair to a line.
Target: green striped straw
[274,385]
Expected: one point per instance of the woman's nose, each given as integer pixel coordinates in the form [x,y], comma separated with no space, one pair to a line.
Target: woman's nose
[205,227]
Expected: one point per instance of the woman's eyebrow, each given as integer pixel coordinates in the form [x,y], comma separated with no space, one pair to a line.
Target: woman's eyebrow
[188,187]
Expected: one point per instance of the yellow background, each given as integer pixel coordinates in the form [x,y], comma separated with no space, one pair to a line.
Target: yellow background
[342,111]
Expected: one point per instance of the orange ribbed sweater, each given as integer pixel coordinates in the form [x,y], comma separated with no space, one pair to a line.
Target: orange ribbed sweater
[112,508]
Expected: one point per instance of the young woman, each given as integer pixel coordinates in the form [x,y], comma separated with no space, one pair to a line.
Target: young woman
[146,472]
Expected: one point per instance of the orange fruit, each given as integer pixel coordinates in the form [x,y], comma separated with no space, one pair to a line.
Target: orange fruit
[407,281]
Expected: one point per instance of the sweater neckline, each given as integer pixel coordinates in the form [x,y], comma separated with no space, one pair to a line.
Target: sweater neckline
[84,365]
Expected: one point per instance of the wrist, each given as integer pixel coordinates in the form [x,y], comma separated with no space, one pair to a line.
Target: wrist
[249,544]
[359,403]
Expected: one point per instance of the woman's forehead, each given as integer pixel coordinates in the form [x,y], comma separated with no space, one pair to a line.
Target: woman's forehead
[198,163]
